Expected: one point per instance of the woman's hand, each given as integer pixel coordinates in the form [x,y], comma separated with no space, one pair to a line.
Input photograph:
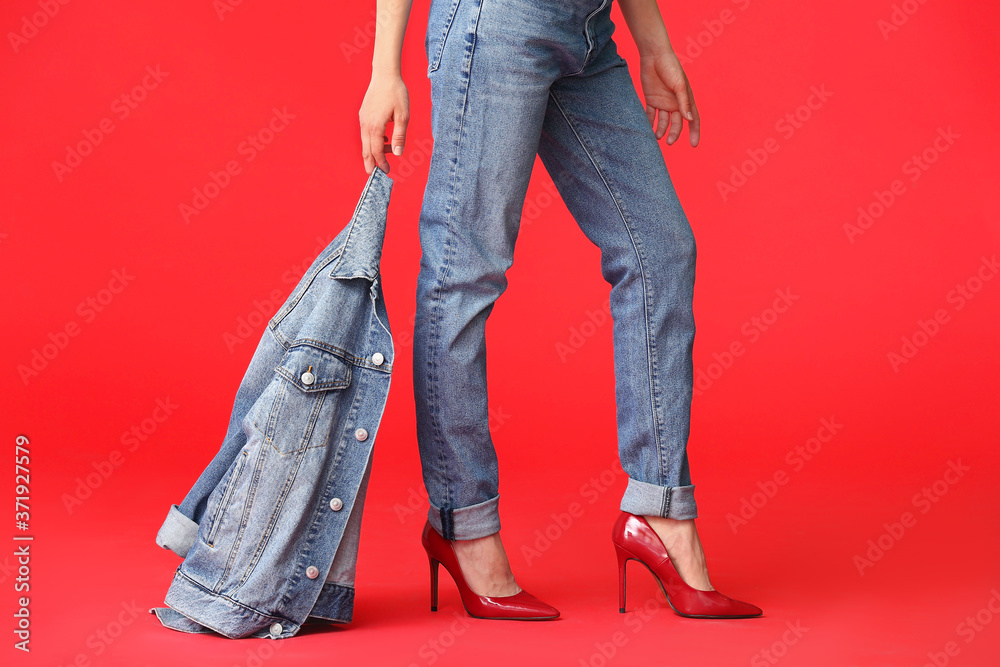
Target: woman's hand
[666,89]
[385,101]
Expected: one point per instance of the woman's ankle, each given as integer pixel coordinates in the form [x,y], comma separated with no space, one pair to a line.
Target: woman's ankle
[680,539]
[485,566]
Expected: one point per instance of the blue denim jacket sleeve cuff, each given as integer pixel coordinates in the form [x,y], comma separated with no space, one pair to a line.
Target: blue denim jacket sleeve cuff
[671,502]
[177,532]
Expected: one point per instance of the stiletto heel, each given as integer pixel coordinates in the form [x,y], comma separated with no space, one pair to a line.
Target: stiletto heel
[635,539]
[434,584]
[522,606]
[623,558]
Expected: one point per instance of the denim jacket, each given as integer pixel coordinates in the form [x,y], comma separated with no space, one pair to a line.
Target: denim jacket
[269,532]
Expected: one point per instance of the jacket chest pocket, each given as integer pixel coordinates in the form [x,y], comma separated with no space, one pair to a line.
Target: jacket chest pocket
[299,407]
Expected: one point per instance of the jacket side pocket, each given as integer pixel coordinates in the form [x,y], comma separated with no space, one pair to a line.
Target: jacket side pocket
[225,491]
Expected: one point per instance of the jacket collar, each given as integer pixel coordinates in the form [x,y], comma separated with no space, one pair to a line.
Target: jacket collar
[362,250]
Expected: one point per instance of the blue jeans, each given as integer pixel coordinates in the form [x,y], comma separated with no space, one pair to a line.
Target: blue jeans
[510,78]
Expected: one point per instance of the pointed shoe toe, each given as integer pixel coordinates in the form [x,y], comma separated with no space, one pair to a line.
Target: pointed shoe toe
[521,606]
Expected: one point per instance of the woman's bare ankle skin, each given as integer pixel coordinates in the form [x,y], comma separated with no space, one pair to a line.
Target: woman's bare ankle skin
[485,566]
[680,537]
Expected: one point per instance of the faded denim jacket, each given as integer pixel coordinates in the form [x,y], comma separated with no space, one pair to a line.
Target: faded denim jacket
[269,532]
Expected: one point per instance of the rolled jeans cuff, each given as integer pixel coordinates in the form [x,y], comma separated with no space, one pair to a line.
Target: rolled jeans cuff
[671,502]
[466,523]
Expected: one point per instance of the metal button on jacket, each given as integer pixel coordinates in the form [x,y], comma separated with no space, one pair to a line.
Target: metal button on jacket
[312,375]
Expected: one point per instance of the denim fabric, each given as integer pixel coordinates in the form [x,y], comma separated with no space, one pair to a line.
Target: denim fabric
[269,532]
[509,79]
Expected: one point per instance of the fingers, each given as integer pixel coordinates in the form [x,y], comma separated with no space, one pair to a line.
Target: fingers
[366,150]
[377,141]
[675,126]
[694,125]
[685,101]
[687,110]
[373,142]
[399,122]
[651,115]
[659,126]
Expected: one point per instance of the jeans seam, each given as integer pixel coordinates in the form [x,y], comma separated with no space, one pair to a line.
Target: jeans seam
[642,274]
[446,271]
[586,34]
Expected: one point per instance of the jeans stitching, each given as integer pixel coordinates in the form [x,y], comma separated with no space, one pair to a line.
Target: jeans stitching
[433,320]
[642,274]
[586,34]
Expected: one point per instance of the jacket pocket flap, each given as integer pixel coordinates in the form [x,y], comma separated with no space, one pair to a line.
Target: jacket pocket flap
[312,369]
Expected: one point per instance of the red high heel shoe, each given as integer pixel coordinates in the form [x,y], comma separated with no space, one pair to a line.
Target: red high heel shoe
[522,606]
[635,539]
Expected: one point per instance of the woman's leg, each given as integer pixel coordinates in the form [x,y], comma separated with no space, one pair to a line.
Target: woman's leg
[486,118]
[598,146]
[491,63]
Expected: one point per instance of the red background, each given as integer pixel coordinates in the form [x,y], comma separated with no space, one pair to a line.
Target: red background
[164,335]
